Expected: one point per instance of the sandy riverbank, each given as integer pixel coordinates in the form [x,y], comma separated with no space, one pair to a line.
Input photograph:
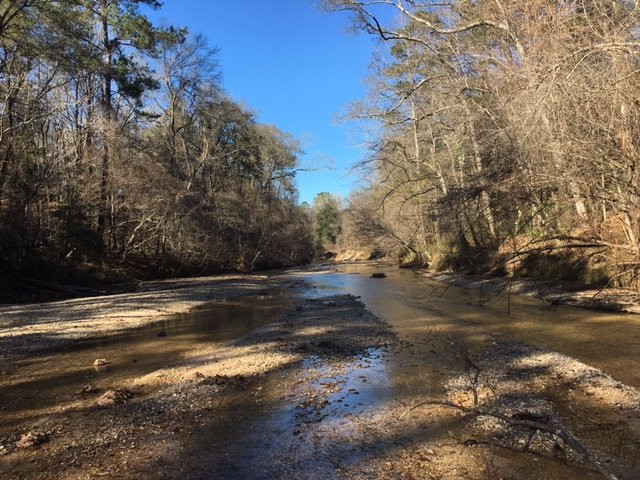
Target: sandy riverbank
[30,328]
[604,299]
[162,424]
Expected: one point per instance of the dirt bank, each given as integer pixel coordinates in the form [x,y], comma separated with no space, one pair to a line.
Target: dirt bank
[537,415]
[584,296]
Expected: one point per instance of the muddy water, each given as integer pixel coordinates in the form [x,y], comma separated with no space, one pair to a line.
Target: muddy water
[419,309]
[410,303]
[413,304]
[53,380]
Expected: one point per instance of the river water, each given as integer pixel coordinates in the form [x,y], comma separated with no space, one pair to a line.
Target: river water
[416,307]
[411,303]
[51,378]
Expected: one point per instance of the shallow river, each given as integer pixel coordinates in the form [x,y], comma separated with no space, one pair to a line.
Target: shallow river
[414,305]
[608,341]
[411,303]
[417,307]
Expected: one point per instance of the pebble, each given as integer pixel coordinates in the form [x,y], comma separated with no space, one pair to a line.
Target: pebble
[87,389]
[32,440]
[114,397]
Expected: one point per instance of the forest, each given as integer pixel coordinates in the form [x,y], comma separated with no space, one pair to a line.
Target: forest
[120,152]
[451,292]
[504,137]
[503,140]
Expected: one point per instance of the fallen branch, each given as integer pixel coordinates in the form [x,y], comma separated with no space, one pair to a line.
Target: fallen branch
[535,426]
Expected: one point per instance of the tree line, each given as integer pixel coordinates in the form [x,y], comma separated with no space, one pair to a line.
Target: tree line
[507,136]
[120,149]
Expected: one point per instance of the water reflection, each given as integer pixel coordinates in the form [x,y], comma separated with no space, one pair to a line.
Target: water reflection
[413,304]
[55,378]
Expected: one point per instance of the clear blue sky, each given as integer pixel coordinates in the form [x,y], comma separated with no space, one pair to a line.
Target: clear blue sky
[296,66]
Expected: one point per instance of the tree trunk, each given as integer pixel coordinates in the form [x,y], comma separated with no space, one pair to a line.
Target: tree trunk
[104,209]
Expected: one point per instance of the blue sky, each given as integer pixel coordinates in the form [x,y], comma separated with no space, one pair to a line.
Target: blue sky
[297,67]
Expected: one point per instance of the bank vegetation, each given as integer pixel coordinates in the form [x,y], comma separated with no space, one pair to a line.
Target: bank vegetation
[121,153]
[506,137]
